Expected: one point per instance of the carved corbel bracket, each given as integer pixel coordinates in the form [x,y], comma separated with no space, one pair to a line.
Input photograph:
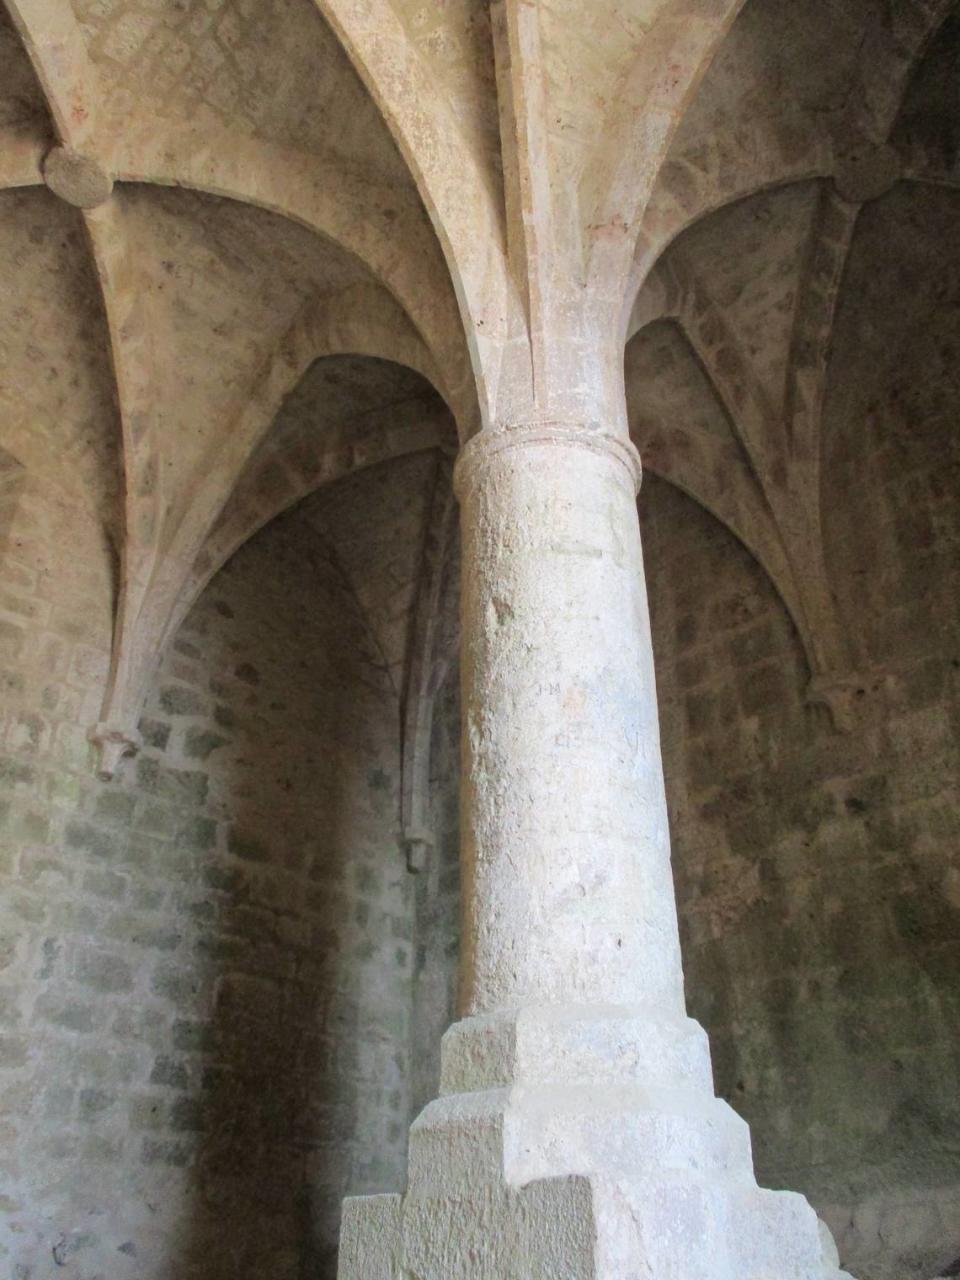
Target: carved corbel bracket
[113,744]
[839,693]
[419,844]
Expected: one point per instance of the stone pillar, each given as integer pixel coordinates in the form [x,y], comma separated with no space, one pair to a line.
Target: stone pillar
[576,1136]
[569,914]
[569,897]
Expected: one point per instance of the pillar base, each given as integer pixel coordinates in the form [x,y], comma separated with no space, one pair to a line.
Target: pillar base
[607,1157]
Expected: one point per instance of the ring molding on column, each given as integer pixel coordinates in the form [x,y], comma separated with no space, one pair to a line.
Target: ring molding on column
[491,442]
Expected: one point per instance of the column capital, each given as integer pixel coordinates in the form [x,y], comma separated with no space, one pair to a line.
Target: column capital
[479,449]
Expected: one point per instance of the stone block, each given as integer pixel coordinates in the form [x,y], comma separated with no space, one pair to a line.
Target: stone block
[103,971]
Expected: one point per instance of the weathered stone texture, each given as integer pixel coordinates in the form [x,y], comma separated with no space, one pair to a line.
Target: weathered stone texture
[205,966]
[280,75]
[817,873]
[438,902]
[56,396]
[21,101]
[310,236]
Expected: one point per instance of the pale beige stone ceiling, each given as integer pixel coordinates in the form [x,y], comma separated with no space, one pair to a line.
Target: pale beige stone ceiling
[482,194]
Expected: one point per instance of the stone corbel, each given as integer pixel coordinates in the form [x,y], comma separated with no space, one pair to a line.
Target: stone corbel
[133,662]
[840,694]
[113,744]
[419,843]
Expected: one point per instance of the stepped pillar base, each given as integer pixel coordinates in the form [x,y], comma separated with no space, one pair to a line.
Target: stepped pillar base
[607,1157]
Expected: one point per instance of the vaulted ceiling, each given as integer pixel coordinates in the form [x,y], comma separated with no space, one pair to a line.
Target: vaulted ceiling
[248,248]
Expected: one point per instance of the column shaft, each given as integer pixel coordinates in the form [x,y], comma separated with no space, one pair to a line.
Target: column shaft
[567,884]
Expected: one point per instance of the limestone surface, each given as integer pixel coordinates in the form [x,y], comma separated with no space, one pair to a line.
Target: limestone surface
[265,271]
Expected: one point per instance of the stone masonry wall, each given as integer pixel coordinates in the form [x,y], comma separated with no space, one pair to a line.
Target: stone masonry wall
[818,874]
[204,965]
[212,969]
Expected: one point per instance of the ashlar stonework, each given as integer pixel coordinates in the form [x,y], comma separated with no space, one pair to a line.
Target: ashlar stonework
[336,337]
